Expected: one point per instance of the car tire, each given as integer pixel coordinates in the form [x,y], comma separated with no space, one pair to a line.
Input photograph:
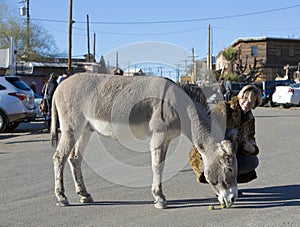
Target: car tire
[286,106]
[12,126]
[3,121]
[271,103]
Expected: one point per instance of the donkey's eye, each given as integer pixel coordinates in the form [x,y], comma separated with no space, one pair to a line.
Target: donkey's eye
[214,183]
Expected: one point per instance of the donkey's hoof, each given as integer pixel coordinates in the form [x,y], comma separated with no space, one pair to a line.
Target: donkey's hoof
[62,203]
[87,199]
[160,204]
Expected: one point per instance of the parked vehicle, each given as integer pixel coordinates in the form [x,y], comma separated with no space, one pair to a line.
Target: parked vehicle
[16,103]
[37,101]
[287,95]
[236,87]
[268,88]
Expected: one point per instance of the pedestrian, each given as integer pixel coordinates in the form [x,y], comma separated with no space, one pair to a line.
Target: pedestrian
[33,86]
[48,91]
[236,114]
[228,89]
[221,89]
[62,78]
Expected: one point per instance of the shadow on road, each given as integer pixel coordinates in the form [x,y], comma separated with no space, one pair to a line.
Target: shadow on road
[276,196]
[172,204]
[25,129]
[27,141]
[257,198]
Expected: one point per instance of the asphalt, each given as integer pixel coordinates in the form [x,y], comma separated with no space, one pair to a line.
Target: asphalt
[27,192]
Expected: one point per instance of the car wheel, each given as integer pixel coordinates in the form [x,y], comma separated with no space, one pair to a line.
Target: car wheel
[3,121]
[271,103]
[12,126]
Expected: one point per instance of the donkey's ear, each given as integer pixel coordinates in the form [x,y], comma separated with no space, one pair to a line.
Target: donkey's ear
[226,152]
[232,135]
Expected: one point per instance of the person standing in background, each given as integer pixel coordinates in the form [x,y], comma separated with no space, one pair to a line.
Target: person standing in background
[228,89]
[48,91]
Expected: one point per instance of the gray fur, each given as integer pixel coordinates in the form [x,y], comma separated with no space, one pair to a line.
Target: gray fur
[148,107]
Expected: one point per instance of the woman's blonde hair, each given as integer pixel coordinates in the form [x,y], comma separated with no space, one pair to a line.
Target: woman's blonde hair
[251,93]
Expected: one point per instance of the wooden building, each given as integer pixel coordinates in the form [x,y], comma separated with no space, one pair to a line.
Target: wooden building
[271,54]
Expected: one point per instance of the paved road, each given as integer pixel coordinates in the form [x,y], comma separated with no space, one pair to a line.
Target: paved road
[27,198]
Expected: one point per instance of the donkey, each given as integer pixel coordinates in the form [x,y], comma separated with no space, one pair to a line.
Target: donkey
[141,106]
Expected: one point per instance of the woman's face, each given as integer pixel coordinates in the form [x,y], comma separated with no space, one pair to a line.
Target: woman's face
[247,102]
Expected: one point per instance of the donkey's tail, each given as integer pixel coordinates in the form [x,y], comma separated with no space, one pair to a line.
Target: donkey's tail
[54,124]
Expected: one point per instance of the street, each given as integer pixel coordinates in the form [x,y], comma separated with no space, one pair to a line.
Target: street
[27,185]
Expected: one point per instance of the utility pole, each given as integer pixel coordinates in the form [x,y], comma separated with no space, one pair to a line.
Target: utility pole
[160,70]
[128,70]
[208,52]
[117,60]
[88,37]
[70,36]
[193,67]
[94,47]
[24,11]
[193,62]
[28,27]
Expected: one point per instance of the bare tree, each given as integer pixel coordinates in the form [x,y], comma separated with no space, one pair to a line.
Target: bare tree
[42,44]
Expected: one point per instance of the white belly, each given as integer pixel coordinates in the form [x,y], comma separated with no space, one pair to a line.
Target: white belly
[124,131]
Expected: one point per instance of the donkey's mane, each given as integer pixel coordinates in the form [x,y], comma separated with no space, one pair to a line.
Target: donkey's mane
[196,93]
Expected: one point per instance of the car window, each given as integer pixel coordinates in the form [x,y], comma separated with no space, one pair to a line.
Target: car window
[18,83]
[2,87]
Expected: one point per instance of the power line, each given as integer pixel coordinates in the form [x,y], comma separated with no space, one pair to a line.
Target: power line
[147,34]
[173,21]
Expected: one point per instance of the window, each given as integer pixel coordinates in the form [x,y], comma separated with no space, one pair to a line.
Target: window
[254,51]
[291,51]
[278,51]
[18,83]
[2,87]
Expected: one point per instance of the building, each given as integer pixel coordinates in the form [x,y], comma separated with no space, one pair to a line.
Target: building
[4,61]
[271,54]
[134,71]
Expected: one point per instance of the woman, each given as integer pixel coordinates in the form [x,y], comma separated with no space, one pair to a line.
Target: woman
[48,91]
[236,114]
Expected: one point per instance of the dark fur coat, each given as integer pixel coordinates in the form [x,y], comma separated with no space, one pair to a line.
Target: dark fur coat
[230,116]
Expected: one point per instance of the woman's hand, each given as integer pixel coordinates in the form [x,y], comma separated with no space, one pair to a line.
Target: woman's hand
[250,148]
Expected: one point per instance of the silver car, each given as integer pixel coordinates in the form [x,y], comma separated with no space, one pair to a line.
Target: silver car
[16,103]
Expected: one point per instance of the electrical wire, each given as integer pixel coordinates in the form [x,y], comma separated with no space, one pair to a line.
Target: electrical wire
[173,21]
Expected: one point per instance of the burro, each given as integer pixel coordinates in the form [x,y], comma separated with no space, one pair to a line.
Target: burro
[138,107]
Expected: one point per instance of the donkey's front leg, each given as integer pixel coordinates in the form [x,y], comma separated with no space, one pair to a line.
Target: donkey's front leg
[158,155]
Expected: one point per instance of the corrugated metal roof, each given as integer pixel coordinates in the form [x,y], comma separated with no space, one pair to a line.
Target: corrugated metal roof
[51,64]
[253,39]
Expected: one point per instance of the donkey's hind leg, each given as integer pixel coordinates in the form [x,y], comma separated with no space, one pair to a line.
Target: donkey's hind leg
[75,160]
[158,155]
[60,157]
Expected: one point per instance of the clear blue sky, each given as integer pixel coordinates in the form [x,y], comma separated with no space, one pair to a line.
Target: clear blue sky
[186,22]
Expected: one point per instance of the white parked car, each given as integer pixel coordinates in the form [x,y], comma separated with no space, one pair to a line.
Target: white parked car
[287,95]
[16,103]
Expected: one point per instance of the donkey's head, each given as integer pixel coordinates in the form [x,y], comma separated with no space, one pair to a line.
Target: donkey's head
[220,170]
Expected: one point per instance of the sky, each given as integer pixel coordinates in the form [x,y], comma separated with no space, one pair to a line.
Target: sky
[182,25]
